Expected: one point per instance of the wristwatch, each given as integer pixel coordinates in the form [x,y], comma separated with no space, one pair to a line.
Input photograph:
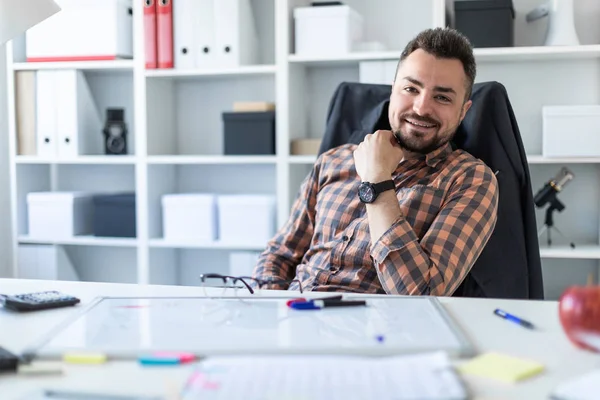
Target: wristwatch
[368,192]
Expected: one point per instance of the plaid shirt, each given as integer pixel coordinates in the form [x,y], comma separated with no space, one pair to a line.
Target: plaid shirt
[448,201]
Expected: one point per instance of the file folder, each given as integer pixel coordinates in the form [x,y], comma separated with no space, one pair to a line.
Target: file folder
[150,33]
[46,114]
[235,33]
[164,32]
[205,45]
[78,121]
[193,34]
[186,16]
[25,112]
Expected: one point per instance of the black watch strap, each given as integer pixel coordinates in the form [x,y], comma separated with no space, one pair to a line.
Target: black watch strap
[383,186]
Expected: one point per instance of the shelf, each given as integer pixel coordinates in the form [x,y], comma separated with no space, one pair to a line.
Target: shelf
[529,53]
[161,243]
[533,53]
[539,159]
[212,159]
[586,252]
[303,159]
[108,160]
[344,59]
[84,241]
[95,66]
[207,73]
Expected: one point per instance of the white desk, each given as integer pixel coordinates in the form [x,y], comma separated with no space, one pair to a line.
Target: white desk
[547,344]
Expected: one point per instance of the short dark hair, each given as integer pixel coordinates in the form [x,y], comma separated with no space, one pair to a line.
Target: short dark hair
[445,43]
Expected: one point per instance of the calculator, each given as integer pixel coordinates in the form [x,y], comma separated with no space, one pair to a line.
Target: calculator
[38,301]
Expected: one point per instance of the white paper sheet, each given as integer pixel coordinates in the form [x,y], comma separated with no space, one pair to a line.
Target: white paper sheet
[585,387]
[421,376]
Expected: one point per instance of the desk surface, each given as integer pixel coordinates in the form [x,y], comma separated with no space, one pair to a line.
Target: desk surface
[547,344]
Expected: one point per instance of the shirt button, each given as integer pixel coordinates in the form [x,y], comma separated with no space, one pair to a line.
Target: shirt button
[345,238]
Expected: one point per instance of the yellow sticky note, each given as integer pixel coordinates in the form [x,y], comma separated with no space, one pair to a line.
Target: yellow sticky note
[501,367]
[84,358]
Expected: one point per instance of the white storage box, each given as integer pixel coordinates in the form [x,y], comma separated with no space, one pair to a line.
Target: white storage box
[246,219]
[190,217]
[242,263]
[83,30]
[59,215]
[571,131]
[327,30]
[377,72]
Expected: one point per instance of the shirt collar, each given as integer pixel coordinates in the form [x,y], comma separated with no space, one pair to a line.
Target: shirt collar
[434,157]
[439,154]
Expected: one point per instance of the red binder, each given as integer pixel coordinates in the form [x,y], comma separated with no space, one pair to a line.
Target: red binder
[164,33]
[150,33]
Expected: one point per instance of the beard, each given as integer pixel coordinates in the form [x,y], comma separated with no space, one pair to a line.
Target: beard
[416,141]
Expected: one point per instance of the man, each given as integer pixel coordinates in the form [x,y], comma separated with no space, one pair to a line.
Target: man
[401,213]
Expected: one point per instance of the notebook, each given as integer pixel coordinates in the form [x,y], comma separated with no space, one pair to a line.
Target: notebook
[585,387]
[426,375]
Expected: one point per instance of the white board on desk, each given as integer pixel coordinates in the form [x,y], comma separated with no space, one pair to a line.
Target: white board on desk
[122,327]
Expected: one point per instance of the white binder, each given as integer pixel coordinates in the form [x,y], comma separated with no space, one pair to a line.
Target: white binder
[193,34]
[185,17]
[78,121]
[206,49]
[46,114]
[235,33]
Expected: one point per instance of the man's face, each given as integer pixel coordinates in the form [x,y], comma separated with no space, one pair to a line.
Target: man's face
[427,101]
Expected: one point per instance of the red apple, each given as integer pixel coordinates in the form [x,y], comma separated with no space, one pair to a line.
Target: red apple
[579,313]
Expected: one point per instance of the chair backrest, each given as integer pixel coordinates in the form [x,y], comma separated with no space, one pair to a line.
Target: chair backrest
[510,265]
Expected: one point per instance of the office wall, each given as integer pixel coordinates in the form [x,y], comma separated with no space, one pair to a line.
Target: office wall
[5,247]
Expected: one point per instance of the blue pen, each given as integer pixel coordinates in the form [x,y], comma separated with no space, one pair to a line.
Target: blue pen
[505,315]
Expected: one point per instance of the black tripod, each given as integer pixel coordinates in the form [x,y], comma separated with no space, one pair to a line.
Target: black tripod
[555,205]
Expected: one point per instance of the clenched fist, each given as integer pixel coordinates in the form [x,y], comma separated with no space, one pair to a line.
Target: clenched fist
[377,156]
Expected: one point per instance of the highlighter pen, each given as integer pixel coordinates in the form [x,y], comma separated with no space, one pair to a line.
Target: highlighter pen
[505,315]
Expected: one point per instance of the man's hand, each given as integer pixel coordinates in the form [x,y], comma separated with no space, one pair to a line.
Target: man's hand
[377,157]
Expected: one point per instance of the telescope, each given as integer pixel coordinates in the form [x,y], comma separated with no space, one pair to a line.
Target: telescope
[548,195]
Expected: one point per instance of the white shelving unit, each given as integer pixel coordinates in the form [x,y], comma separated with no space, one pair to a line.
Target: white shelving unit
[176,133]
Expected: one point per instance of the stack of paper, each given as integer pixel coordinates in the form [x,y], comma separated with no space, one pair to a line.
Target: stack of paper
[586,387]
[420,376]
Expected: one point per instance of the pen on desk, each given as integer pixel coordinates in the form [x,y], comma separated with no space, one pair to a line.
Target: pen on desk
[303,300]
[319,304]
[339,303]
[513,318]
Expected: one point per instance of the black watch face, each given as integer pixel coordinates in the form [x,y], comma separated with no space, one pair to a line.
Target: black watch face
[366,193]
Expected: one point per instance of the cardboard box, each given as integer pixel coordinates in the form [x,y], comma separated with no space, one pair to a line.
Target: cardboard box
[305,147]
[253,106]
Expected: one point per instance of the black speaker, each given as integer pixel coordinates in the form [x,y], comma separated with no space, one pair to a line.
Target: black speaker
[115,132]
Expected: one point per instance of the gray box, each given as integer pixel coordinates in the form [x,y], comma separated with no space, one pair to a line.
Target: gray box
[249,133]
[487,23]
[114,215]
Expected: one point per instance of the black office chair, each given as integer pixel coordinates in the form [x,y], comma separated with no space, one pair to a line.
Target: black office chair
[510,264]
